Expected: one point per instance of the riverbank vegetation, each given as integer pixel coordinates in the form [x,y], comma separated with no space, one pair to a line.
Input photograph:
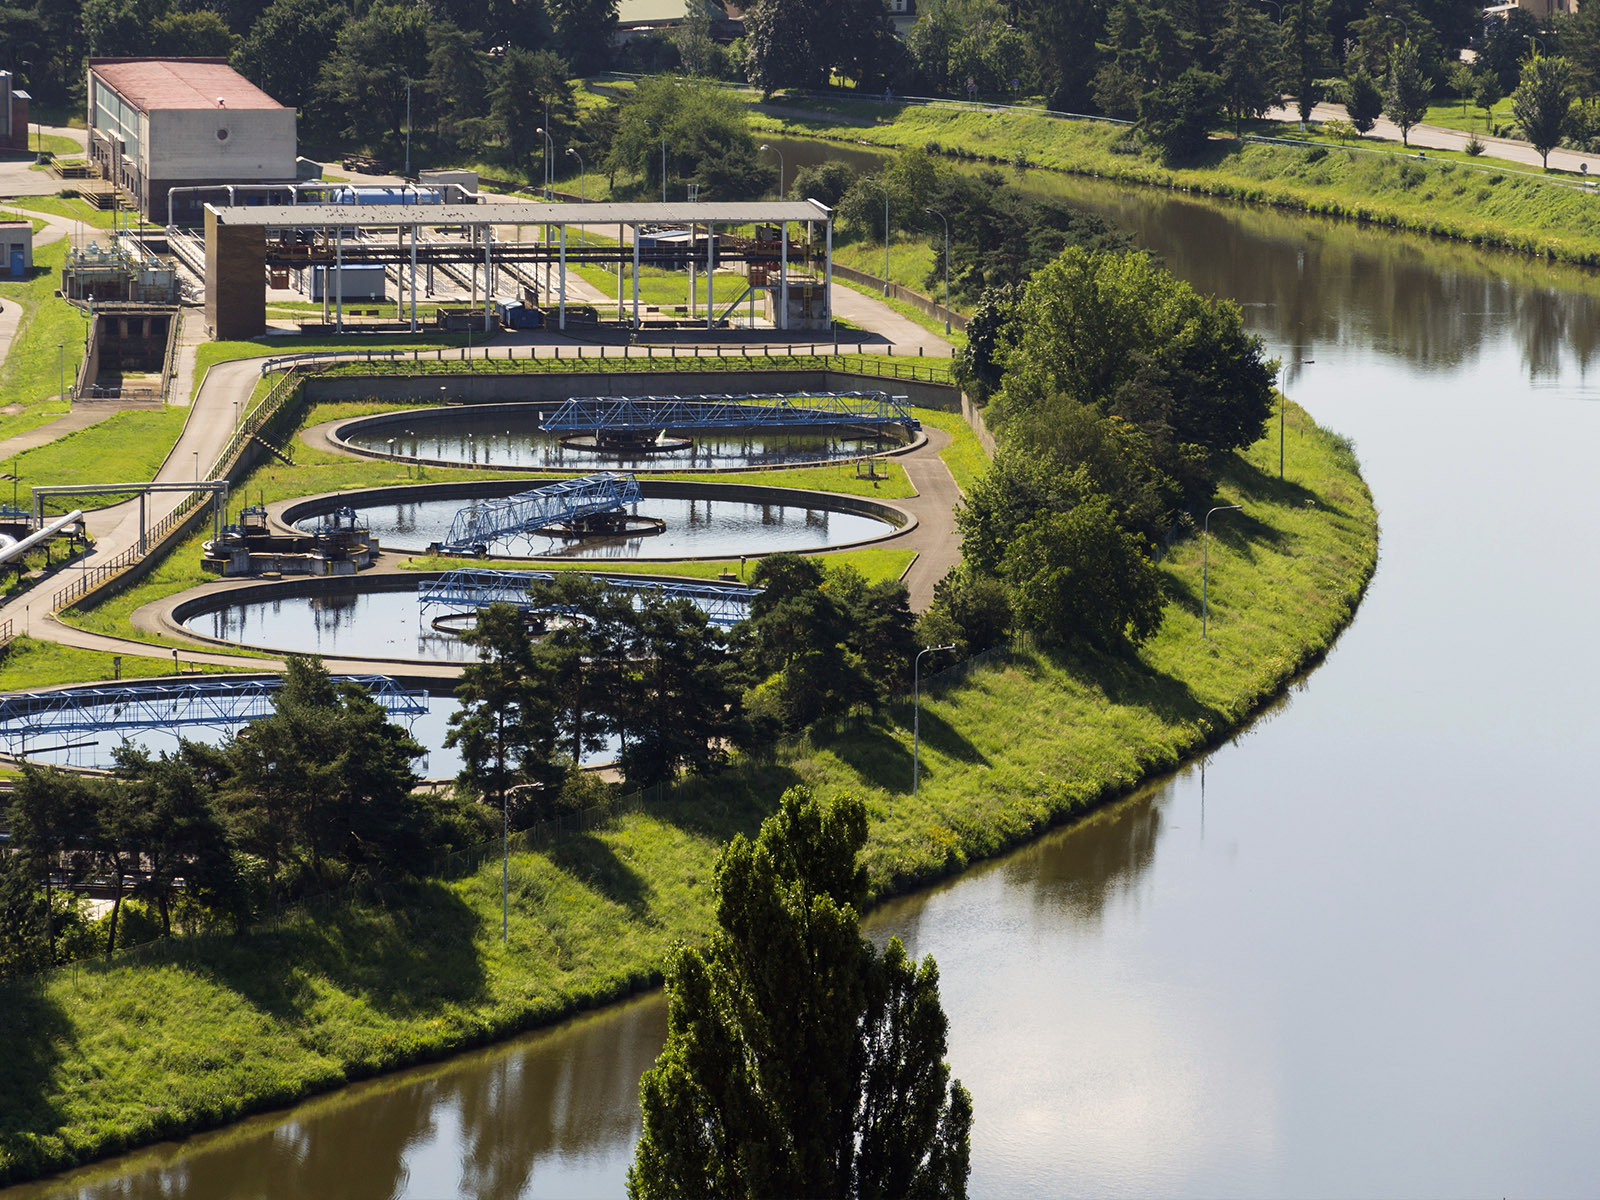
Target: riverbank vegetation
[356,988]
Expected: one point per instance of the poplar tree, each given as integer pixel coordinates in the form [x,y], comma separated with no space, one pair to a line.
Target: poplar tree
[800,1062]
[1406,93]
[1542,103]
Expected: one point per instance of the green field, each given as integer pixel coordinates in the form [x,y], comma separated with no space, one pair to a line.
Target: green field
[127,447]
[96,1064]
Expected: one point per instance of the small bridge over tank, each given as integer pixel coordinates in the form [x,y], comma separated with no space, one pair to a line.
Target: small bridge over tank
[723,604]
[635,416]
[29,716]
[566,504]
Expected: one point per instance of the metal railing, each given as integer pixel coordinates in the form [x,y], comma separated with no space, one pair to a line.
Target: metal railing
[862,360]
[91,579]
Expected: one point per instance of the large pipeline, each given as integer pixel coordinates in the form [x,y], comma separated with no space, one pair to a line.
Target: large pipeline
[18,549]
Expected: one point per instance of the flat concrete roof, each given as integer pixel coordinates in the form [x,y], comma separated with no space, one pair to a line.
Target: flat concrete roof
[283,216]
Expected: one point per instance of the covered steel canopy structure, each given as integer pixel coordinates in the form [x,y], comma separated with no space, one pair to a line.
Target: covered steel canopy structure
[236,242]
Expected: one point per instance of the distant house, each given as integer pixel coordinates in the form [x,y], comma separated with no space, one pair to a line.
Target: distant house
[160,123]
[13,114]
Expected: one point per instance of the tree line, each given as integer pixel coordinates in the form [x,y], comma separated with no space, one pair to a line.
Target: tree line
[1117,393]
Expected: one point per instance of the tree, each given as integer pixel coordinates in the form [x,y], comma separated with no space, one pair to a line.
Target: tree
[970,611]
[798,1061]
[200,34]
[680,700]
[977,362]
[786,44]
[505,728]
[1079,575]
[184,840]
[1542,103]
[587,647]
[1486,94]
[1177,117]
[584,31]
[704,131]
[1246,57]
[1063,37]
[323,786]
[1407,90]
[284,51]
[1363,101]
[1306,51]
[528,85]
[364,79]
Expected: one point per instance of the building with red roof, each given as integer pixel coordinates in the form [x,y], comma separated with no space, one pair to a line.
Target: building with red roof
[162,123]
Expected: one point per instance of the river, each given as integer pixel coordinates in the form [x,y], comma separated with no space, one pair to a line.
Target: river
[1350,954]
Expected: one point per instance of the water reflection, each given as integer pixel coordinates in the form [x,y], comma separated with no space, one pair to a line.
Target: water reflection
[514,440]
[551,1114]
[696,528]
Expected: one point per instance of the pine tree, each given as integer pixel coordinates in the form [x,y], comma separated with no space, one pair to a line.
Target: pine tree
[798,1061]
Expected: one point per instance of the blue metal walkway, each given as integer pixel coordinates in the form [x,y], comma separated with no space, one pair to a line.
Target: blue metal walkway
[723,604]
[645,414]
[26,716]
[478,525]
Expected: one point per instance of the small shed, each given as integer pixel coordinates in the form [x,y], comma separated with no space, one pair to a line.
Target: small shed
[16,249]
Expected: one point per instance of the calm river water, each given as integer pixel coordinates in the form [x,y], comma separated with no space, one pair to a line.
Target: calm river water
[1352,954]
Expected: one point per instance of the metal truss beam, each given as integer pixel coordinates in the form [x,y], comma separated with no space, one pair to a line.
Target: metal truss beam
[160,705]
[478,525]
[723,604]
[642,414]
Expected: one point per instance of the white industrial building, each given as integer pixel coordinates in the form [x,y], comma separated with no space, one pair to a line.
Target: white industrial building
[162,123]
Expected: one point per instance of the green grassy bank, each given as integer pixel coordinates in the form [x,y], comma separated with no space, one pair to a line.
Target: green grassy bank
[99,1059]
[1441,195]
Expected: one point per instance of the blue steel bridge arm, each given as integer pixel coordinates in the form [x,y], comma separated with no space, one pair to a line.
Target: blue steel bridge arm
[163,705]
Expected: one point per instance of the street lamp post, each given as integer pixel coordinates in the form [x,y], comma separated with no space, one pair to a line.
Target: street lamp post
[581,173]
[549,149]
[942,217]
[779,153]
[1205,564]
[916,714]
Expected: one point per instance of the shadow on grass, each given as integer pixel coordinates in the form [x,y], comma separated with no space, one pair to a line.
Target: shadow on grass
[1134,683]
[736,801]
[36,1030]
[1263,487]
[596,865]
[414,954]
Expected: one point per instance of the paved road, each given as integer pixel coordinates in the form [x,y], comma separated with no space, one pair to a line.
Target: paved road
[1437,137]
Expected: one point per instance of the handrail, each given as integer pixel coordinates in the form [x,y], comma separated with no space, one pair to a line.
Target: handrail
[91,579]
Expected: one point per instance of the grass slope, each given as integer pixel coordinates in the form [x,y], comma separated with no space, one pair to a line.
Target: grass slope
[47,349]
[96,1063]
[1439,195]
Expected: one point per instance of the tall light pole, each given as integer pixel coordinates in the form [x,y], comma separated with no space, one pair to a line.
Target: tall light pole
[581,172]
[779,153]
[1205,564]
[916,715]
[942,217]
[549,149]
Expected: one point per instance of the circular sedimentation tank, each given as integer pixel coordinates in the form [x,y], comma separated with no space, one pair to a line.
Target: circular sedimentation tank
[508,437]
[672,520]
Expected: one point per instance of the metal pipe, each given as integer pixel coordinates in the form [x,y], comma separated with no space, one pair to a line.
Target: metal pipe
[19,548]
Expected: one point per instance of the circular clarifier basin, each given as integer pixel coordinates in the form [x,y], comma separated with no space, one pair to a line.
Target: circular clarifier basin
[694,527]
[508,437]
[98,751]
